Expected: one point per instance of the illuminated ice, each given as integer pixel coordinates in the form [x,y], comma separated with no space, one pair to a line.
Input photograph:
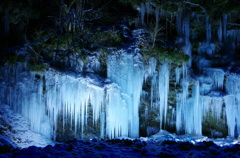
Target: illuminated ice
[127,71]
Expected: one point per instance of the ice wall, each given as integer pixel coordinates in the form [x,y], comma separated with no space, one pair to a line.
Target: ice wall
[44,97]
[69,96]
[25,97]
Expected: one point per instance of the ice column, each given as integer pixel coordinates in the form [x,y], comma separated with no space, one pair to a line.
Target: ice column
[220,32]
[183,29]
[182,100]
[163,90]
[177,74]
[116,113]
[197,116]
[127,71]
[225,27]
[142,11]
[232,102]
[208,30]
[188,110]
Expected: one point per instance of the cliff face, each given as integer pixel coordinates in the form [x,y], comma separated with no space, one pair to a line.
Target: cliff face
[189,85]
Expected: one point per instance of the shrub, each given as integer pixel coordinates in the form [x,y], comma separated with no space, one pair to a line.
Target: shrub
[38,67]
[170,54]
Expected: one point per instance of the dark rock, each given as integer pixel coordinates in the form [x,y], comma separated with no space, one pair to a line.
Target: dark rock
[71,141]
[127,142]
[166,155]
[168,142]
[185,146]
[144,151]
[70,147]
[97,147]
[214,151]
[139,144]
[94,140]
[48,148]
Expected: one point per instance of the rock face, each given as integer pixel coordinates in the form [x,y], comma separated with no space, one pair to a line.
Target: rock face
[139,96]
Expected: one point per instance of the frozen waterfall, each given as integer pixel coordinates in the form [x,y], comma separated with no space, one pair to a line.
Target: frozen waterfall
[163,92]
[232,102]
[127,71]
[188,109]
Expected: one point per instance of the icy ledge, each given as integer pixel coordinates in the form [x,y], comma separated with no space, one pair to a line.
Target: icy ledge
[164,135]
[16,129]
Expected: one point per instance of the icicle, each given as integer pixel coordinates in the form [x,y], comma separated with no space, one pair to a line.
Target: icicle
[150,68]
[177,74]
[181,106]
[230,113]
[197,119]
[163,90]
[220,32]
[116,113]
[154,90]
[208,30]
[179,23]
[225,27]
[232,102]
[142,11]
[189,111]
[148,9]
[193,113]
[187,48]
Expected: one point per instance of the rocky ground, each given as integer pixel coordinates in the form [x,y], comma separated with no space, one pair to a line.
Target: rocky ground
[127,148]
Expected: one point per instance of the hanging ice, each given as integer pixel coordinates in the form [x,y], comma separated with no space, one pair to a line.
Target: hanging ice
[188,110]
[44,98]
[232,102]
[142,12]
[26,97]
[213,103]
[70,96]
[225,18]
[127,71]
[208,30]
[163,92]
[220,32]
[217,75]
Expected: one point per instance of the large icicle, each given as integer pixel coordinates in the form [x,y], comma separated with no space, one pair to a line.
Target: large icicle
[117,117]
[127,71]
[220,32]
[208,30]
[188,110]
[197,118]
[225,27]
[142,12]
[163,90]
[232,102]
